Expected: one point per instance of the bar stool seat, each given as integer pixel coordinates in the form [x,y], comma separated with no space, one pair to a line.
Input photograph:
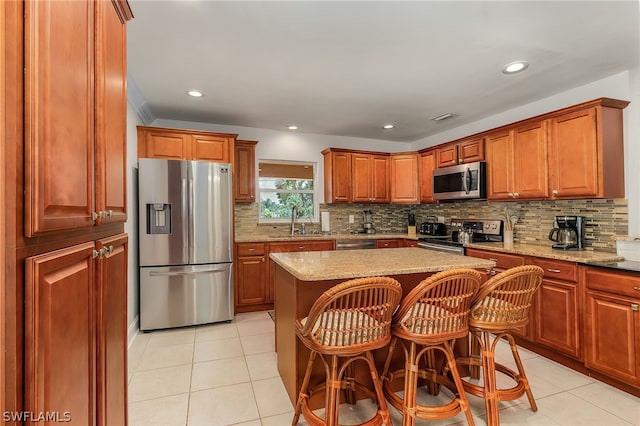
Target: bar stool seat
[502,305]
[429,320]
[344,325]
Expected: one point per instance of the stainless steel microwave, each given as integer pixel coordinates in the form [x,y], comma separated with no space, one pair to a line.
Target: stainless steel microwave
[465,181]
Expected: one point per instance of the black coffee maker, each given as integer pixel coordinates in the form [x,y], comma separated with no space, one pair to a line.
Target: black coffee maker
[568,233]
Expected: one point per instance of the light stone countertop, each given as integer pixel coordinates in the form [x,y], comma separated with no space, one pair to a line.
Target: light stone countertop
[298,237]
[582,256]
[345,264]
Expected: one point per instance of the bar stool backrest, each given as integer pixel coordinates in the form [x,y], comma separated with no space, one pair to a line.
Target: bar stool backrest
[438,308]
[351,317]
[503,302]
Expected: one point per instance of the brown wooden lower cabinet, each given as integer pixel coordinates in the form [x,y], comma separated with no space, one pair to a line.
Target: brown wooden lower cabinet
[75,333]
[252,273]
[389,243]
[557,316]
[112,330]
[585,317]
[612,324]
[254,278]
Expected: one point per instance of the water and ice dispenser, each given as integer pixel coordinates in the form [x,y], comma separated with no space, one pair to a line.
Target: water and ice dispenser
[158,218]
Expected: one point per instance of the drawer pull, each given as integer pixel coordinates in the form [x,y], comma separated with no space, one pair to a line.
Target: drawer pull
[263,259]
[636,288]
[557,271]
[301,247]
[634,307]
[252,249]
[493,260]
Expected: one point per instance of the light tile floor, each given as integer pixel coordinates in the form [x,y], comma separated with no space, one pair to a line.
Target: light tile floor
[225,374]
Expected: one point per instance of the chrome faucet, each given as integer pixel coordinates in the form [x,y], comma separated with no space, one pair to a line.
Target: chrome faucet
[294,213]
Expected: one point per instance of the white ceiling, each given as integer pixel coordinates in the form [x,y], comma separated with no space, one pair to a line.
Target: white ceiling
[347,68]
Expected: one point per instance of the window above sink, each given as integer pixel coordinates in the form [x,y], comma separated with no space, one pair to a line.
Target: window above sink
[283,184]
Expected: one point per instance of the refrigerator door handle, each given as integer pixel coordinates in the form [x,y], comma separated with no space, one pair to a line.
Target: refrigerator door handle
[185,214]
[182,273]
[190,230]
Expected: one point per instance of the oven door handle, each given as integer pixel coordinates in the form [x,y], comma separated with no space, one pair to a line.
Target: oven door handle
[442,248]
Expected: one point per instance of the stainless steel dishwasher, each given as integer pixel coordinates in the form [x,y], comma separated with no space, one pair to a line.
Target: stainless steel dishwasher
[355,244]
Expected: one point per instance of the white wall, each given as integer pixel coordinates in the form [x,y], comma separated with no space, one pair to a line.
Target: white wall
[131,226]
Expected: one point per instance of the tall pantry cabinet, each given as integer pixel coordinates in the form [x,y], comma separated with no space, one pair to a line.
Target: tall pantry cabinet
[65,278]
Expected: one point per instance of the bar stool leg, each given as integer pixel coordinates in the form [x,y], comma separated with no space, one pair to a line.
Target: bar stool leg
[523,376]
[489,379]
[453,369]
[332,395]
[303,389]
[383,409]
[410,387]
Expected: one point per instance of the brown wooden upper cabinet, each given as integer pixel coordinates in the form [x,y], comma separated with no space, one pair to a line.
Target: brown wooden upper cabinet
[244,168]
[426,167]
[405,178]
[573,153]
[75,175]
[517,163]
[337,175]
[177,144]
[461,152]
[370,178]
[586,151]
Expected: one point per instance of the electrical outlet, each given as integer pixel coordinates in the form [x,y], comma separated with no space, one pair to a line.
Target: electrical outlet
[351,219]
[440,219]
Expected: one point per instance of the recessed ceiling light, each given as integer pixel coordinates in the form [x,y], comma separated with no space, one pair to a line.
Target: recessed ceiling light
[388,126]
[443,116]
[515,67]
[292,127]
[195,93]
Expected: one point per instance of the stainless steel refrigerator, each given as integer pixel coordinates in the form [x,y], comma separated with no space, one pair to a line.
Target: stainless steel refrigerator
[185,244]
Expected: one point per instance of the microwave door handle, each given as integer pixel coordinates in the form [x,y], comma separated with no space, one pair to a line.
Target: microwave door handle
[466,180]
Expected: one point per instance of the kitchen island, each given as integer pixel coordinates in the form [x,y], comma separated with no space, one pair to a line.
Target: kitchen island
[300,278]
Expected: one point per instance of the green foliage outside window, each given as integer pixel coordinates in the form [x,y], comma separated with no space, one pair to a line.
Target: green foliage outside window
[278,196]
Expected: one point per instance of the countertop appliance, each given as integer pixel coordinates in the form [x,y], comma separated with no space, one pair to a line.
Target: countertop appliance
[185,243]
[433,228]
[478,230]
[368,222]
[466,181]
[568,234]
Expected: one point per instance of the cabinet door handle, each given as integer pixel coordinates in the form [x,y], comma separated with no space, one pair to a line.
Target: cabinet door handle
[492,259]
[263,260]
[555,192]
[634,307]
[636,288]
[516,194]
[554,270]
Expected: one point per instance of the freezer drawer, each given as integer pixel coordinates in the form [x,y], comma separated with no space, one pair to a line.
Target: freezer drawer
[177,296]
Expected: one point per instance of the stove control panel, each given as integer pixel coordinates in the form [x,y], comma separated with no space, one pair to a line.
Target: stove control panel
[478,226]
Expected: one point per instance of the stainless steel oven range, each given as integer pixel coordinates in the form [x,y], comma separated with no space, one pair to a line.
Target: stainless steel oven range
[463,231]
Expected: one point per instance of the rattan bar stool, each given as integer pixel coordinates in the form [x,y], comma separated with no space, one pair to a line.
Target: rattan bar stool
[502,304]
[344,325]
[430,318]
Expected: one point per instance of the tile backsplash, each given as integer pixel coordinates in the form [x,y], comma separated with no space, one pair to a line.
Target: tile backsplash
[605,219]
